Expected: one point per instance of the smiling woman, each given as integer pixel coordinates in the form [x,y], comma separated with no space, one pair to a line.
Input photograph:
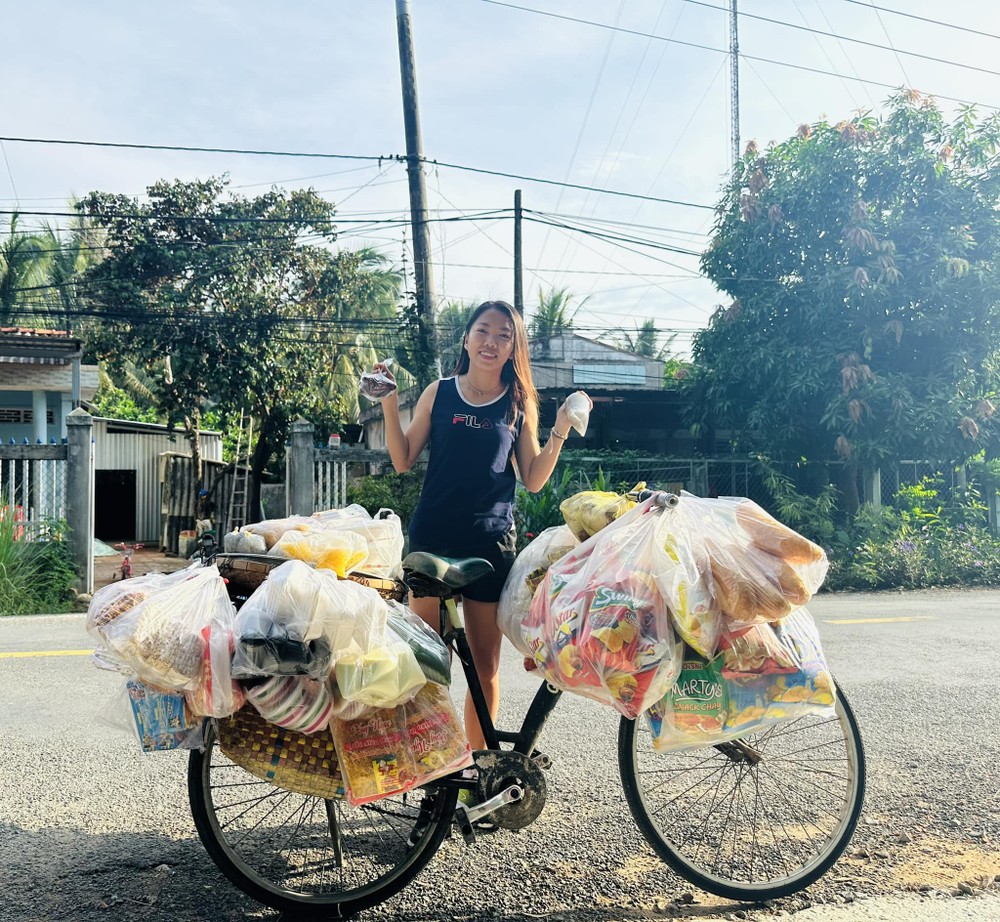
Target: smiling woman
[481,425]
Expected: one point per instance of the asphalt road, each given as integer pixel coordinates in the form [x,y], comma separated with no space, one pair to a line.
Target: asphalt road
[92,829]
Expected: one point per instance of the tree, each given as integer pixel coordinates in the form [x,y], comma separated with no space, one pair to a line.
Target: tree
[861,260]
[230,304]
[24,260]
[553,314]
[645,341]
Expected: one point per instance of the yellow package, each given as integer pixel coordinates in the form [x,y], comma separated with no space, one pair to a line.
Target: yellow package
[588,512]
[340,551]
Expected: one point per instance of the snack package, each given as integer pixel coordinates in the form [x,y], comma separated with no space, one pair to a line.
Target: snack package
[726,552]
[217,694]
[300,619]
[156,626]
[688,717]
[757,650]
[294,702]
[588,512]
[578,408]
[158,718]
[383,533]
[392,750]
[327,549]
[430,650]
[376,384]
[599,623]
[525,577]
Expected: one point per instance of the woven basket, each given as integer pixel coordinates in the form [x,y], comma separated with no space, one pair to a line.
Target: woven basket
[392,589]
[293,761]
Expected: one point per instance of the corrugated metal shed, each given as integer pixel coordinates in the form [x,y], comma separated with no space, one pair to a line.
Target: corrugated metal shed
[122,445]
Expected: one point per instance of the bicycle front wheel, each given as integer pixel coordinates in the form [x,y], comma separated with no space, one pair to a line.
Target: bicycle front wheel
[301,854]
[754,821]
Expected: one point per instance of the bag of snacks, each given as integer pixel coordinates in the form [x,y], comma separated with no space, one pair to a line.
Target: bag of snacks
[327,549]
[158,718]
[156,625]
[588,512]
[383,533]
[526,576]
[392,750]
[599,622]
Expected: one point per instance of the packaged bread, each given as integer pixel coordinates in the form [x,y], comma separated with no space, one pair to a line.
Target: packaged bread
[772,536]
[586,513]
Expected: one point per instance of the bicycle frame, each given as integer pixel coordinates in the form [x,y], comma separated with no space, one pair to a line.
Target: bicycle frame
[545,700]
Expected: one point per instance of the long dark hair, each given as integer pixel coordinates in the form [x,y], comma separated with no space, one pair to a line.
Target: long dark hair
[516,372]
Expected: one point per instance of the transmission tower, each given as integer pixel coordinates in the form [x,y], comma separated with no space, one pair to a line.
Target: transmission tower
[734,83]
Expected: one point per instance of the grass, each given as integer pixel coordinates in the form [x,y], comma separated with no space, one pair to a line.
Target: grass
[35,575]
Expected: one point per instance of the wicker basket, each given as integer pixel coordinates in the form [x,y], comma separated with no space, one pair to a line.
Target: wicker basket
[392,589]
[293,761]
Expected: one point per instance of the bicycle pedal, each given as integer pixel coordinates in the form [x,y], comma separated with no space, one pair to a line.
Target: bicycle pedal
[541,760]
[464,824]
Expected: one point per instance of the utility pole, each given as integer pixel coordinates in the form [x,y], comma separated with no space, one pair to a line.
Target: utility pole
[734,83]
[518,265]
[425,338]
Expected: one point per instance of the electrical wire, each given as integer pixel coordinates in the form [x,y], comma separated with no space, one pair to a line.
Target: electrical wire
[934,22]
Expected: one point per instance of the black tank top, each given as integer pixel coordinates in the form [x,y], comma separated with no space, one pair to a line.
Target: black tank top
[468,492]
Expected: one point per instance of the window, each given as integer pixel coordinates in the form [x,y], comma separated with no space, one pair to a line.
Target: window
[632,374]
[23,415]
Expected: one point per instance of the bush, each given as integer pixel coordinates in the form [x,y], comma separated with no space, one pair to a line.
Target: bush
[36,577]
[398,492]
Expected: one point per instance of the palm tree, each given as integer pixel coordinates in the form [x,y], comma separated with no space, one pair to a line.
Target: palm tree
[553,314]
[71,254]
[644,341]
[24,260]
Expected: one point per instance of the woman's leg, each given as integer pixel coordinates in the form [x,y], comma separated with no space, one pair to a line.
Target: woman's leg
[429,609]
[484,641]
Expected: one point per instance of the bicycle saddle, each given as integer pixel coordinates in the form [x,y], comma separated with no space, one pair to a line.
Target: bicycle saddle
[452,572]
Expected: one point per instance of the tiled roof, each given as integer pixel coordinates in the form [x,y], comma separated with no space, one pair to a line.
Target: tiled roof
[27,331]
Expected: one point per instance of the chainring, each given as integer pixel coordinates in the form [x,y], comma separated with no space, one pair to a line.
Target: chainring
[499,770]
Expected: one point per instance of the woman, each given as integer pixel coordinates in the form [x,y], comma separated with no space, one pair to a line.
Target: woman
[480,423]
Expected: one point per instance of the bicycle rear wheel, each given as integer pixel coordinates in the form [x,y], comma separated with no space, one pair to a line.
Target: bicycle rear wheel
[749,830]
[301,854]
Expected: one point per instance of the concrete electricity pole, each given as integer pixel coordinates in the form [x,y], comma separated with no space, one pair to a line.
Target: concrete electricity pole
[734,82]
[425,336]
[518,265]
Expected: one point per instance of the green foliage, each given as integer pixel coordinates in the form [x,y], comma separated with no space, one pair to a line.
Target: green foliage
[115,403]
[35,576]
[398,492]
[534,512]
[553,314]
[861,263]
[812,516]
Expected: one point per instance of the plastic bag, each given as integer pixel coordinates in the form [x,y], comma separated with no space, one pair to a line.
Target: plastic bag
[383,532]
[158,718]
[328,549]
[526,576]
[383,676]
[271,530]
[688,716]
[389,751]
[239,542]
[430,650]
[299,619]
[578,410]
[599,623]
[727,548]
[588,512]
[294,702]
[217,695]
[376,384]
[160,635]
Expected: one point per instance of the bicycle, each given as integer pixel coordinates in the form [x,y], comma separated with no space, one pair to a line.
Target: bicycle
[720,816]
[125,568]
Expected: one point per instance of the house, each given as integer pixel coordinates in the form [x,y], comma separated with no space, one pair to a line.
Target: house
[42,379]
[632,410]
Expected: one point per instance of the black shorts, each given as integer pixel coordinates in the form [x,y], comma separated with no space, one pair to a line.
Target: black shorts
[500,553]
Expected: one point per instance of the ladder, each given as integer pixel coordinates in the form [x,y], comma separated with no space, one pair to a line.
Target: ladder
[239,490]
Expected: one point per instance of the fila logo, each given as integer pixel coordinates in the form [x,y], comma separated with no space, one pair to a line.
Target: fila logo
[472,422]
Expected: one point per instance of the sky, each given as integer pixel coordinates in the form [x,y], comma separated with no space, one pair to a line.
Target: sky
[634,99]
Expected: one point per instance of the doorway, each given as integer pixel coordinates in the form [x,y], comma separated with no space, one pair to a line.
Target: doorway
[114,505]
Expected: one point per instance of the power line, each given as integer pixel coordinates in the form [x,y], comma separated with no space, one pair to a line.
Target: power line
[934,22]
[747,57]
[381,159]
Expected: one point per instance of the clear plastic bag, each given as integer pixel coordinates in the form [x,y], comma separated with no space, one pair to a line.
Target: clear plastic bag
[526,576]
[160,635]
[713,702]
[158,719]
[599,623]
[329,549]
[376,384]
[217,694]
[300,619]
[383,676]
[753,568]
[586,513]
[383,532]
[239,542]
[390,751]
[578,410]
[432,655]
[271,530]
